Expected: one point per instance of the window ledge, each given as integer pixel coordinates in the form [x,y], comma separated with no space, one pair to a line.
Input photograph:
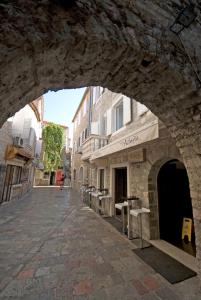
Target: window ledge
[118,131]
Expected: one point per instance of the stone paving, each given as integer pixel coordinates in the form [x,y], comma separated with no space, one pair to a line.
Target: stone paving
[52,247]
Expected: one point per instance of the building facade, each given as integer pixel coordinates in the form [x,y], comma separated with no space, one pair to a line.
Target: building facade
[128,151]
[43,178]
[19,151]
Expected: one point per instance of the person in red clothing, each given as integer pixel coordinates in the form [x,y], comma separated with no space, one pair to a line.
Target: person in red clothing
[62,181]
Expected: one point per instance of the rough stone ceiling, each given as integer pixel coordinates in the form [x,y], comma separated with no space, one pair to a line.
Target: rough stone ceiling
[123,45]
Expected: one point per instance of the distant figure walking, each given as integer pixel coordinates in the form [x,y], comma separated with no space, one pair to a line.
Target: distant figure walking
[63,177]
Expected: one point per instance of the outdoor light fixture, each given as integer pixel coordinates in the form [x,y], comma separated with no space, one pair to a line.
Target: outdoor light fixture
[185,18]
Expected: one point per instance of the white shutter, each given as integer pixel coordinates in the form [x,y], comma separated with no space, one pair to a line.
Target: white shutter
[94,127]
[141,109]
[109,121]
[126,110]
[26,128]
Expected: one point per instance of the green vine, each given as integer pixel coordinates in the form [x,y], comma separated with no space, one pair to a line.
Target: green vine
[52,144]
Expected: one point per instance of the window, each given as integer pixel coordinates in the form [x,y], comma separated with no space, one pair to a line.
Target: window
[79,142]
[81,174]
[101,178]
[16,174]
[86,133]
[103,124]
[119,116]
[74,174]
[83,136]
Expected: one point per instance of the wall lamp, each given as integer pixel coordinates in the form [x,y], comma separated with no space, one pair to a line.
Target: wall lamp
[185,18]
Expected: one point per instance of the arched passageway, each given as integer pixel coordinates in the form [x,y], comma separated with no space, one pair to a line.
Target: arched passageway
[174,204]
[126,46]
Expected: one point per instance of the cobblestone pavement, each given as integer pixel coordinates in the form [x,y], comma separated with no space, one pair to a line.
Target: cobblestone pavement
[52,247]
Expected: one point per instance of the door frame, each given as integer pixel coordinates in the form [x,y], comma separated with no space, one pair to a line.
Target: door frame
[112,180]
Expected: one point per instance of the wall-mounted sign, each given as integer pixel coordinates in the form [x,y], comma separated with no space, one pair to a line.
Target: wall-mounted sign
[137,156]
[187,229]
[144,134]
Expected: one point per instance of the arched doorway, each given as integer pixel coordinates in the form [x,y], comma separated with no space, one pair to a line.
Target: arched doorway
[174,204]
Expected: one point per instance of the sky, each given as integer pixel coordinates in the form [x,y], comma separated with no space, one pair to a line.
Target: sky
[61,106]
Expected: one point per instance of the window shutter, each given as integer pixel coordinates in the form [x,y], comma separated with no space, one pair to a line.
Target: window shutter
[141,109]
[26,128]
[109,121]
[94,127]
[126,110]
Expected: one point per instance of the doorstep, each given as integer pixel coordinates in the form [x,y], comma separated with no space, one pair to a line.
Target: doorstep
[176,253]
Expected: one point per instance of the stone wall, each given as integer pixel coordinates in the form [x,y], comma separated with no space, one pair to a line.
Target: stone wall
[5,139]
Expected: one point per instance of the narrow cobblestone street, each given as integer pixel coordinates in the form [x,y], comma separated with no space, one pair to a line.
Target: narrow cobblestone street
[52,247]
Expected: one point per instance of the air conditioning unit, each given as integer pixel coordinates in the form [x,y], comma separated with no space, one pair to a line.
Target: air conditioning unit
[18,141]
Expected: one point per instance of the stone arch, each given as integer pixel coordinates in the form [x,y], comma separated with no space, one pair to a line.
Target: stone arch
[54,46]
[153,194]
[125,46]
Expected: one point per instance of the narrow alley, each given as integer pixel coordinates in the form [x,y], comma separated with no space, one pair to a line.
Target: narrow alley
[54,247]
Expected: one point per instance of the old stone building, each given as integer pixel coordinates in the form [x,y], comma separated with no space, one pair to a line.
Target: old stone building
[19,151]
[129,152]
[45,177]
[81,131]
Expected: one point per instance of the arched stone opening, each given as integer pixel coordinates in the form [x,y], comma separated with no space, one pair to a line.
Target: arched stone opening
[170,202]
[125,46]
[116,45]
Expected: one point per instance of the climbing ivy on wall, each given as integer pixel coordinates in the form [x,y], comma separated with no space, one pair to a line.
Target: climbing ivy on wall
[52,146]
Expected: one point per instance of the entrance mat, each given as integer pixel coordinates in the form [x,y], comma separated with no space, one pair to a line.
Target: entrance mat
[114,222]
[166,266]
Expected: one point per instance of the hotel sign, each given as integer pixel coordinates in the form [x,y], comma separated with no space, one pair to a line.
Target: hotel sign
[143,134]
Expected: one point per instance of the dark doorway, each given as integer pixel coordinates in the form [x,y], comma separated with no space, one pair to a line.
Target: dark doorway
[52,178]
[174,204]
[120,184]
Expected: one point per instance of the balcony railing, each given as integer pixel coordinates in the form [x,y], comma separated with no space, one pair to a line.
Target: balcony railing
[93,143]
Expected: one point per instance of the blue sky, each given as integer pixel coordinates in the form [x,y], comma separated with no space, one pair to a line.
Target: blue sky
[61,106]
